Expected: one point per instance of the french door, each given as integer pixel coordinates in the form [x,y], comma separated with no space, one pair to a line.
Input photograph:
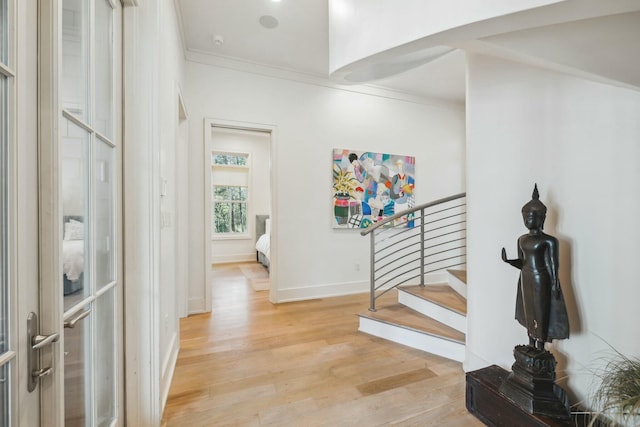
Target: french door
[61,351]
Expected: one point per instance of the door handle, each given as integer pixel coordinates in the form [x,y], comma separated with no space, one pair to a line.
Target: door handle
[71,323]
[40,341]
[37,342]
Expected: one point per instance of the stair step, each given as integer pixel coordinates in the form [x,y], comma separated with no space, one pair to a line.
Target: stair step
[442,295]
[402,325]
[460,275]
[404,317]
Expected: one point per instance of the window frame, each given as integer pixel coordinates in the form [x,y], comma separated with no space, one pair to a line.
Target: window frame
[230,235]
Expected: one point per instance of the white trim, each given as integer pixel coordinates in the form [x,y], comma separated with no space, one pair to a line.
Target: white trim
[50,199]
[168,368]
[321,291]
[457,285]
[140,194]
[414,339]
[217,237]
[6,71]
[197,306]
[273,267]
[13,312]
[435,311]
[228,259]
[316,80]
[7,357]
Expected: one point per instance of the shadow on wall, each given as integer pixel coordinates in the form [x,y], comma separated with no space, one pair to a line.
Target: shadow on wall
[567,284]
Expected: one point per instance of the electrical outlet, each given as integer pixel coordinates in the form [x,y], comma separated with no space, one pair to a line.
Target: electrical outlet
[357,266]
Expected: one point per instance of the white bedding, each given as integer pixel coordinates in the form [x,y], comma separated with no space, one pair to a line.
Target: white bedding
[263,245]
[73,258]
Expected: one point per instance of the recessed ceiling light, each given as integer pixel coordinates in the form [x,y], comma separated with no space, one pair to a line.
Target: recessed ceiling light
[276,1]
[268,21]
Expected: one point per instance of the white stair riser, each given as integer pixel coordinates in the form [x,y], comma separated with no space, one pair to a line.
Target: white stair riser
[458,285]
[450,318]
[429,343]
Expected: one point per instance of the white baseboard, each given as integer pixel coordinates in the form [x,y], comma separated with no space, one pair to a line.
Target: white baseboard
[228,259]
[339,289]
[168,367]
[197,306]
[321,291]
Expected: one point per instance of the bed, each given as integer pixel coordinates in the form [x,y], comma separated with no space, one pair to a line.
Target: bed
[73,254]
[263,239]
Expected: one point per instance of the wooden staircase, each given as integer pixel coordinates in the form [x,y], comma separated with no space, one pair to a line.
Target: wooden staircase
[432,318]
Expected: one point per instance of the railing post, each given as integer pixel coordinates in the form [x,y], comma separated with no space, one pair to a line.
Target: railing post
[422,247]
[372,276]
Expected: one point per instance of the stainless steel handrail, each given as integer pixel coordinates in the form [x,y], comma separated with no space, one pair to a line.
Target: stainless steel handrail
[398,251]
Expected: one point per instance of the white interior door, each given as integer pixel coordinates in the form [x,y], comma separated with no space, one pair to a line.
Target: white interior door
[61,351]
[88,173]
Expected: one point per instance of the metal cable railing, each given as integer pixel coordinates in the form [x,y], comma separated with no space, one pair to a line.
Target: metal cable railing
[411,244]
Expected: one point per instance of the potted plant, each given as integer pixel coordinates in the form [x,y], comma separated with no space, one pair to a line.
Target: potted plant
[618,395]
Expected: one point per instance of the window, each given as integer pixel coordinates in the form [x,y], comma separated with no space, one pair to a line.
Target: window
[230,193]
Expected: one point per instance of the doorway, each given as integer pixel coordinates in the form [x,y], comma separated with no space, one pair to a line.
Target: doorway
[239,214]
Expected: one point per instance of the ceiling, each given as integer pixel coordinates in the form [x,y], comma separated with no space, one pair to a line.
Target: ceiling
[589,38]
[231,30]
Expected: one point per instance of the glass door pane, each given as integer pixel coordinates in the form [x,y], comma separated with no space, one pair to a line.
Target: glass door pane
[75,154]
[104,188]
[105,357]
[104,68]
[75,58]
[4,36]
[77,384]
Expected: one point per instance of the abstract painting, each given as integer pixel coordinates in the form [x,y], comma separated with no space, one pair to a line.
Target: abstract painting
[369,187]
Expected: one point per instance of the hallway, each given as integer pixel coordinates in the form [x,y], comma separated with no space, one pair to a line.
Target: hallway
[252,363]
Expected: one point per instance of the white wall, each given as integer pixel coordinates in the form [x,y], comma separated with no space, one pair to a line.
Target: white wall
[153,62]
[579,141]
[258,146]
[314,259]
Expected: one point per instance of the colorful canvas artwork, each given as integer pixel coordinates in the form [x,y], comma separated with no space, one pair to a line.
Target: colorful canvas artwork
[369,187]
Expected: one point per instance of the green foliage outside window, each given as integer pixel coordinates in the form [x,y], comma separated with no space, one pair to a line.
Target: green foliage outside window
[230,209]
[230,159]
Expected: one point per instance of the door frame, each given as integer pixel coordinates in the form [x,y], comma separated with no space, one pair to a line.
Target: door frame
[272,130]
[49,199]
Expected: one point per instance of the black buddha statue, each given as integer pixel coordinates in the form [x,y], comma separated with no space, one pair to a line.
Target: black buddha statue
[540,305]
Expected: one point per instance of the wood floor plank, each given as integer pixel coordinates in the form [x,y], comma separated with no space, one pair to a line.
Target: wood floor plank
[253,363]
[395,381]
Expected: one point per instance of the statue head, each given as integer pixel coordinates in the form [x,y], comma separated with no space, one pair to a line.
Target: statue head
[534,212]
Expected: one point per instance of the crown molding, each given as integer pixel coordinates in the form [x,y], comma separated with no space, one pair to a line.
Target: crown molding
[316,80]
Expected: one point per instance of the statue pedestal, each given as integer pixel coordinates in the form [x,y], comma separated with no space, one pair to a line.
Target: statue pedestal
[531,384]
[488,404]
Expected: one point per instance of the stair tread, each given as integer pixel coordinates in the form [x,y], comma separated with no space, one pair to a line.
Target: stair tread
[460,274]
[443,295]
[403,316]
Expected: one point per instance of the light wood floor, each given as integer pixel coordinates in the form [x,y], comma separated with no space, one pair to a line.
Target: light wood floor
[252,363]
